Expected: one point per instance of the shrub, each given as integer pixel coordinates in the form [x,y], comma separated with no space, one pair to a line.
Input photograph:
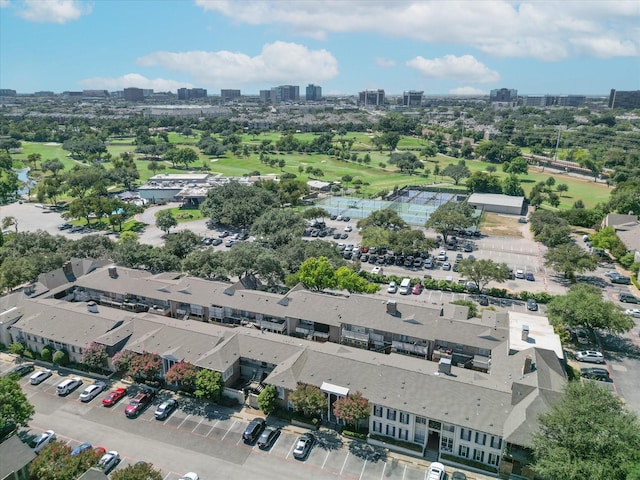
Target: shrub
[61,357]
[46,354]
[268,399]
[17,348]
[30,354]
[349,433]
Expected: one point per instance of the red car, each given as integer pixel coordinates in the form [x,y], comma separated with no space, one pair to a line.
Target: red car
[138,403]
[417,289]
[114,396]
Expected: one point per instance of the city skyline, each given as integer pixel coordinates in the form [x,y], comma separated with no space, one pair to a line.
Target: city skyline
[345,47]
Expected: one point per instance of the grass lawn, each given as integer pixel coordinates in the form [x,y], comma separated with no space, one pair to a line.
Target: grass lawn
[185,214]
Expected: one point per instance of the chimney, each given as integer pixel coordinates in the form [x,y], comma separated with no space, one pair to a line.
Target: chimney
[92,307]
[392,307]
[444,366]
[525,333]
[113,272]
[528,365]
[66,268]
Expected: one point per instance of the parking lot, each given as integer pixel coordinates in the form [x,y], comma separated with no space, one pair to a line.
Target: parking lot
[203,438]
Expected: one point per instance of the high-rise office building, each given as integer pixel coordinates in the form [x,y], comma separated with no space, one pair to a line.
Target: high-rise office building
[504,95]
[133,94]
[191,93]
[285,93]
[7,92]
[412,98]
[229,95]
[371,98]
[624,99]
[313,93]
[265,96]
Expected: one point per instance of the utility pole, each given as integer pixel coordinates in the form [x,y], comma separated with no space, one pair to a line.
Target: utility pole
[555,153]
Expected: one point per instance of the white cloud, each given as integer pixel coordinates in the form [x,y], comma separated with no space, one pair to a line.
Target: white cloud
[4,3]
[467,91]
[385,62]
[277,62]
[53,11]
[133,80]
[549,30]
[465,69]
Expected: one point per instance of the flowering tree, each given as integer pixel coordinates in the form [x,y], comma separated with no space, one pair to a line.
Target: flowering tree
[352,409]
[182,373]
[309,400]
[123,360]
[146,366]
[95,355]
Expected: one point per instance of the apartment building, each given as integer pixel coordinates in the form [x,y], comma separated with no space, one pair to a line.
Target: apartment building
[133,94]
[449,386]
[229,95]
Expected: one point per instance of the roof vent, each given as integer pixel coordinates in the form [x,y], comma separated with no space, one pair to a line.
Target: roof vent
[525,333]
[113,271]
[392,307]
[92,307]
[444,366]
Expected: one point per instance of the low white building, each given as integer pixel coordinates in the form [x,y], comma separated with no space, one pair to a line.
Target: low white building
[498,203]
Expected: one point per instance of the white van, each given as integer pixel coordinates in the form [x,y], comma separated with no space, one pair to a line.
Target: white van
[68,385]
[405,287]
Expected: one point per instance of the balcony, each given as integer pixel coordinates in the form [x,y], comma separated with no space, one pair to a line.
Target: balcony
[358,337]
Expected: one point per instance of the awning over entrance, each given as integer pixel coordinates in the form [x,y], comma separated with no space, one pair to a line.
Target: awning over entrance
[335,389]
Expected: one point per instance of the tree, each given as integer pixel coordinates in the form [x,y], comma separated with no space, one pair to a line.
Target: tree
[483,182]
[236,204]
[277,227]
[511,186]
[352,409]
[186,156]
[348,279]
[608,239]
[317,274]
[182,374]
[145,366]
[123,360]
[165,221]
[154,166]
[406,162]
[137,471]
[209,385]
[518,165]
[182,243]
[309,400]
[457,171]
[570,259]
[15,409]
[483,271]
[17,348]
[54,462]
[386,218]
[450,217]
[61,357]
[95,356]
[583,306]
[52,165]
[268,400]
[562,188]
[587,434]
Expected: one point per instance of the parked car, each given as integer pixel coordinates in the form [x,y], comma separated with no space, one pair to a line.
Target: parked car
[468,247]
[108,461]
[268,437]
[92,391]
[253,430]
[20,370]
[621,279]
[532,305]
[483,300]
[634,312]
[81,448]
[348,228]
[417,289]
[446,266]
[611,274]
[529,276]
[458,476]
[40,441]
[590,356]
[376,270]
[628,298]
[442,256]
[436,472]
[190,476]
[215,242]
[114,396]
[139,403]
[224,234]
[520,274]
[582,336]
[40,376]
[165,409]
[67,386]
[303,445]
[595,373]
[392,288]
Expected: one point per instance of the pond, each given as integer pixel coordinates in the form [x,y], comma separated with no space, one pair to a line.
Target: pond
[26,183]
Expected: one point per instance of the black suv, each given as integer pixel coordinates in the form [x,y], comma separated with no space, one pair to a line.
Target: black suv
[253,430]
[628,298]
[21,370]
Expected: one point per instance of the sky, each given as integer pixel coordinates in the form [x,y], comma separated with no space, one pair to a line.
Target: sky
[345,46]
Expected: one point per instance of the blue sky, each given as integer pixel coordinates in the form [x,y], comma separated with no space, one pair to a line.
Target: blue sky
[345,46]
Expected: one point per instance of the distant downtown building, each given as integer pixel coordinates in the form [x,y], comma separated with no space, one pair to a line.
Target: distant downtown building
[412,98]
[191,93]
[624,99]
[285,93]
[133,94]
[313,93]
[7,92]
[553,100]
[229,95]
[371,98]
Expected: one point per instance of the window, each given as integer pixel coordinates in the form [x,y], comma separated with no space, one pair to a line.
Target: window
[421,420]
[496,442]
[404,418]
[446,445]
[391,414]
[463,451]
[481,438]
[73,349]
[478,455]
[447,427]
[377,427]
[377,411]
[465,434]
[494,459]
[391,430]
[403,434]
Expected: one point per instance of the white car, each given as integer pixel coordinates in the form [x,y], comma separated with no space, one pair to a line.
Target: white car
[520,274]
[190,476]
[348,228]
[42,440]
[40,376]
[442,256]
[108,461]
[376,270]
[436,472]
[590,356]
[392,288]
[92,391]
[634,312]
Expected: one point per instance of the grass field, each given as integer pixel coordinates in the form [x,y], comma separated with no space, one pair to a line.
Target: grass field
[374,178]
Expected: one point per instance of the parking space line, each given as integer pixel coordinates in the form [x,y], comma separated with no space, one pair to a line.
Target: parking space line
[384,467]
[404,472]
[344,463]
[325,460]
[166,476]
[363,467]
[194,428]
[185,419]
[214,426]
[289,453]
[228,430]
